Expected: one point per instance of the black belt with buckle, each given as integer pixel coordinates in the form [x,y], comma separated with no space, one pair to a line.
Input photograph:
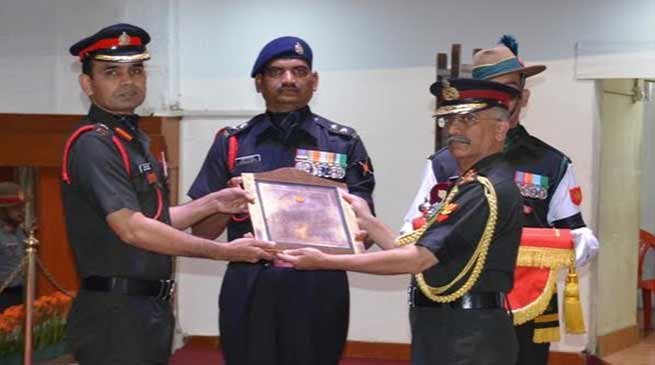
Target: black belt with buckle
[467,301]
[160,289]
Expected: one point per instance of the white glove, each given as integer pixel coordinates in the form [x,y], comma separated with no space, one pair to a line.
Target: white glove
[586,245]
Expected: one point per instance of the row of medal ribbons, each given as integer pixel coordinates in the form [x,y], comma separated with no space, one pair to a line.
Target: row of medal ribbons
[322,164]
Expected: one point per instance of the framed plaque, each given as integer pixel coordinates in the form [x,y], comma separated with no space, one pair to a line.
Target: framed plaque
[295,209]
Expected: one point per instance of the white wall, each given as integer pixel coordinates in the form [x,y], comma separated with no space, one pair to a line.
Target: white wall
[222,37]
[648,168]
[40,76]
[647,182]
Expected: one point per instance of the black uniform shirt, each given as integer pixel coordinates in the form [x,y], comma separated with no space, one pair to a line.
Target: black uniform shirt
[454,239]
[268,142]
[100,186]
[535,160]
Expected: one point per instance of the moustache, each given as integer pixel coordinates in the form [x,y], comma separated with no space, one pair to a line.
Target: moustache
[460,139]
[127,91]
[282,89]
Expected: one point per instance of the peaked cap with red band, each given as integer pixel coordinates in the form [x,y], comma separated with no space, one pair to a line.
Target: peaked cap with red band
[115,43]
[10,194]
[464,96]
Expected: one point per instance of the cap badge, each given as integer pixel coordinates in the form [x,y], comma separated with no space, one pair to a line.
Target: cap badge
[449,93]
[124,39]
[298,48]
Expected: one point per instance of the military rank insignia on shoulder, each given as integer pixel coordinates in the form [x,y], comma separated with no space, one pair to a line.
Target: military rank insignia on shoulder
[335,127]
[470,176]
[101,129]
[230,131]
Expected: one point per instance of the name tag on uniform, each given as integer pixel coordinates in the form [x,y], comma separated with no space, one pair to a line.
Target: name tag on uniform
[532,185]
[145,167]
[246,160]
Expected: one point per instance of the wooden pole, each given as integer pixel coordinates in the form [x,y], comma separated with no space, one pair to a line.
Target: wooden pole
[455,59]
[32,245]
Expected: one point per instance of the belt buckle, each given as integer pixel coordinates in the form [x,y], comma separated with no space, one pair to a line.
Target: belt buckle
[166,290]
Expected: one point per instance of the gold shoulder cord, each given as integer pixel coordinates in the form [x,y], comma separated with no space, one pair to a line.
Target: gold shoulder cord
[477,260]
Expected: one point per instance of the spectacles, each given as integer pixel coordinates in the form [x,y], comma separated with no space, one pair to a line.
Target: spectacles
[468,120]
[277,72]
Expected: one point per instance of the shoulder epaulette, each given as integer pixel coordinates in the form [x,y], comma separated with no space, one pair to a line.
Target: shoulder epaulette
[335,128]
[541,144]
[234,130]
[101,129]
[241,127]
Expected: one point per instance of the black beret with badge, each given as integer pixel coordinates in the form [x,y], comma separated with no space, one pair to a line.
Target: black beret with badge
[115,43]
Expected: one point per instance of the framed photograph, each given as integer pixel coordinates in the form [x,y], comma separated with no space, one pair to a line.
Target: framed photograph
[295,209]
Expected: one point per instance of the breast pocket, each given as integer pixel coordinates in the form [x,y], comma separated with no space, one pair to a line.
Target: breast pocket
[150,199]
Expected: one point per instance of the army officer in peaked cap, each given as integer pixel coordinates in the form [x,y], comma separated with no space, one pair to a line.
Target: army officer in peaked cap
[464,255]
[120,225]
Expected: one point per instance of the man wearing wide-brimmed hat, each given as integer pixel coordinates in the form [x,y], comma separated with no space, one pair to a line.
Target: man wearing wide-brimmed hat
[12,242]
[546,180]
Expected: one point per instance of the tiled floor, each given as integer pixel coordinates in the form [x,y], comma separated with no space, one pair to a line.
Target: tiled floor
[642,353]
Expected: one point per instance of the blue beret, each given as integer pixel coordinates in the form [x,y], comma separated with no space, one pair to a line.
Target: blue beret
[116,43]
[291,47]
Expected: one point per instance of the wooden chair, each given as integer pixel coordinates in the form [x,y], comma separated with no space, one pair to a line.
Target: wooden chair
[646,241]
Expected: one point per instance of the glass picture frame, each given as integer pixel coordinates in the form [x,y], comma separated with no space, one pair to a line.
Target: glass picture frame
[295,209]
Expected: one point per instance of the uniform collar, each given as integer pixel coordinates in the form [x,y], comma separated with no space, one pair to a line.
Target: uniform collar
[514,136]
[298,121]
[126,121]
[483,166]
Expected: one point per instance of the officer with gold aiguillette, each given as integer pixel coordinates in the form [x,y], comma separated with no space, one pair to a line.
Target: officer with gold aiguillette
[463,257]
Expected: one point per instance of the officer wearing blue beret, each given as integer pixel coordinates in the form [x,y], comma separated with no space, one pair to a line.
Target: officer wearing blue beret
[120,225]
[269,313]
